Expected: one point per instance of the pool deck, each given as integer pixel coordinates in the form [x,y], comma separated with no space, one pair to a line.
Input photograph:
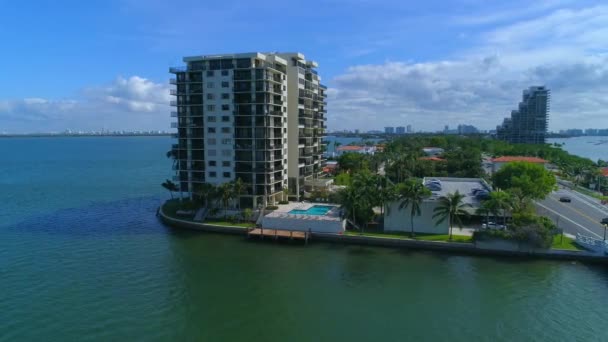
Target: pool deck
[282,219]
[284,212]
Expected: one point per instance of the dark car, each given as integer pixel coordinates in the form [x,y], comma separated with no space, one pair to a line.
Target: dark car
[565,199]
[605,220]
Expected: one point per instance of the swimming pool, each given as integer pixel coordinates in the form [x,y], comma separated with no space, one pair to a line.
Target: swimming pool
[318,210]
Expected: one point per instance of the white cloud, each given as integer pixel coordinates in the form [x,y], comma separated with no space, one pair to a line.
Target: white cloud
[125,103]
[565,49]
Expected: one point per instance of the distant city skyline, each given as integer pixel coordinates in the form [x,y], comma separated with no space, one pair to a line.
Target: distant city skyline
[467,66]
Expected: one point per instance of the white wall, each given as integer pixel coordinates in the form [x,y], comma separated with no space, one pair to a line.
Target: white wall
[399,220]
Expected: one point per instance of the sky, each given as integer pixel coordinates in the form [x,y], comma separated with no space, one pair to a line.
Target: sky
[92,65]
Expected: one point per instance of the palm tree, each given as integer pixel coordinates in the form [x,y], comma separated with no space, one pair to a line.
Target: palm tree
[206,191]
[450,207]
[169,185]
[500,202]
[411,194]
[226,193]
[349,198]
[238,187]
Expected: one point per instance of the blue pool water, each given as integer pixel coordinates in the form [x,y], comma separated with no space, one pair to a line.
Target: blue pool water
[318,210]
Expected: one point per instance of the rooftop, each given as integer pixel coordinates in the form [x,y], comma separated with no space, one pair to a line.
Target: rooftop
[464,186]
[436,159]
[605,171]
[509,159]
[350,148]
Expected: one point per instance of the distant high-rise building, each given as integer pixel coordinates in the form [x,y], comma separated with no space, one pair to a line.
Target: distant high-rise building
[357,131]
[258,117]
[400,130]
[446,128]
[467,129]
[527,124]
[389,130]
[409,128]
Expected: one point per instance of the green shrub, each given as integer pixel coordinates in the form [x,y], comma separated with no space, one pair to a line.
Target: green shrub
[272,207]
[283,202]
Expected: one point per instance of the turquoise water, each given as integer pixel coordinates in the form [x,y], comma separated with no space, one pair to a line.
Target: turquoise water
[83,257]
[318,210]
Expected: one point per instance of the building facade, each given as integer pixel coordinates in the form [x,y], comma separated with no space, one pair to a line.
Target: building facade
[389,130]
[258,117]
[400,130]
[528,124]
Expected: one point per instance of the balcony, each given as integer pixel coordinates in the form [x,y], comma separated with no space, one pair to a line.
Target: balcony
[174,125]
[173,114]
[172,81]
[173,103]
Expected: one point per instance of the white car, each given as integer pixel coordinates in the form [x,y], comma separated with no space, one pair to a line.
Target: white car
[492,225]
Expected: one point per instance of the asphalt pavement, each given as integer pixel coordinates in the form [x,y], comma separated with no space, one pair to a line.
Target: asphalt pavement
[582,215]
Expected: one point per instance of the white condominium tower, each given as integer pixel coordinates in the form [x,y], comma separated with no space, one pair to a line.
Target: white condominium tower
[254,116]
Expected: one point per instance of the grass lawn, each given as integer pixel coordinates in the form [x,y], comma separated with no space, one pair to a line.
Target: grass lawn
[567,244]
[421,237]
[226,223]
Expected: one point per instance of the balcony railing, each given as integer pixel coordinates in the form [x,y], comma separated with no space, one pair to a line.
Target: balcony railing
[173,114]
[174,125]
[173,103]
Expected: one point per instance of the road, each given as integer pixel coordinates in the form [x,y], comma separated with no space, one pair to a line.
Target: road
[582,215]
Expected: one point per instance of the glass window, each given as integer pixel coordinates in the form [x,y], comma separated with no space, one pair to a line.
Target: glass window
[225,129]
[212,174]
[224,72]
[211,141]
[210,129]
[210,73]
[226,141]
[227,153]
[225,118]
[211,153]
[226,164]
[211,119]
[209,84]
[225,107]
[212,163]
[225,84]
[210,96]
[210,107]
[225,96]
[226,174]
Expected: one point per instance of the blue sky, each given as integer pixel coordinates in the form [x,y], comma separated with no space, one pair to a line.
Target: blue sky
[88,64]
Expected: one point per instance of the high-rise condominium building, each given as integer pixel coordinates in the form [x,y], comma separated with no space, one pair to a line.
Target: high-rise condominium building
[400,130]
[254,116]
[527,124]
[409,128]
[389,130]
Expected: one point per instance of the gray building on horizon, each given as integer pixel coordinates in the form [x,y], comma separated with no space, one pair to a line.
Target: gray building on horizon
[400,130]
[528,124]
[389,130]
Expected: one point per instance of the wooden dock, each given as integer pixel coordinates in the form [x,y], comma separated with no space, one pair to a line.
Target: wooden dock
[279,234]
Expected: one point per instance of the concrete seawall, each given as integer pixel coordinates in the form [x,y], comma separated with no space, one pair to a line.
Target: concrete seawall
[483,249]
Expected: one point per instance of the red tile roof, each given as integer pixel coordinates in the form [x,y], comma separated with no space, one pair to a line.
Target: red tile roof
[350,148]
[605,172]
[508,159]
[432,159]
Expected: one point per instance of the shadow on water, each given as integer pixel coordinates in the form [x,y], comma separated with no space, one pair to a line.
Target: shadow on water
[124,217]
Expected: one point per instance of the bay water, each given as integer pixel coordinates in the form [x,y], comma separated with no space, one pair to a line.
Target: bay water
[83,257]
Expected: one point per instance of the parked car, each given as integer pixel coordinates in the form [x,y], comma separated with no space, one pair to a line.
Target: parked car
[605,220]
[565,199]
[492,225]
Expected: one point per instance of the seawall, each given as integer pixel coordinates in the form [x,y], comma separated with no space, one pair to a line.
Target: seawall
[449,247]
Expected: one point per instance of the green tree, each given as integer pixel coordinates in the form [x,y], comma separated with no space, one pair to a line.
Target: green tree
[499,202]
[238,187]
[169,185]
[206,191]
[452,208]
[534,181]
[226,194]
[411,194]
[247,214]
